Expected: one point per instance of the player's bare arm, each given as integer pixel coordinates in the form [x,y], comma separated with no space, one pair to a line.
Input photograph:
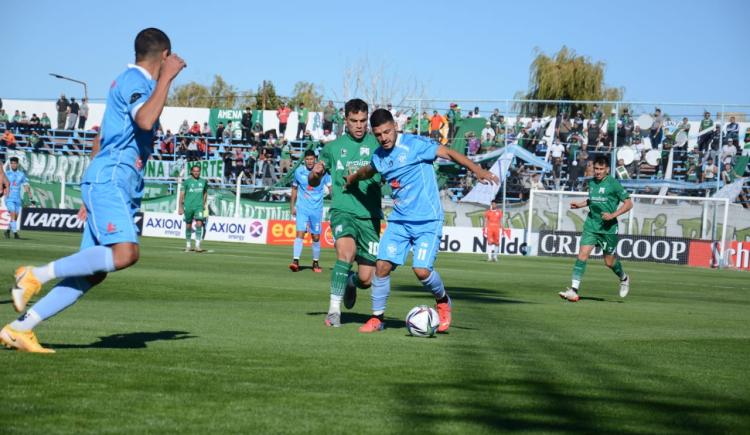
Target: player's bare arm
[293,201]
[624,208]
[363,173]
[149,113]
[484,176]
[317,173]
[579,204]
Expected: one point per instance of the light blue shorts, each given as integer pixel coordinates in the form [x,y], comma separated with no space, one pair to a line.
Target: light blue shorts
[311,218]
[422,238]
[110,213]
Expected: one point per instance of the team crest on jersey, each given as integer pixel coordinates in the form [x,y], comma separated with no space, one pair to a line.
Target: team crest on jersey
[395,184]
[402,158]
[601,190]
[338,229]
[138,164]
[392,250]
[364,151]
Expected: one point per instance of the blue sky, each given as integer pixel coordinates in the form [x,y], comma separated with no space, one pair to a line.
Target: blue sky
[680,51]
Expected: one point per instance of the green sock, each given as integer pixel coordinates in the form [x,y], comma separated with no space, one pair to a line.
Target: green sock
[578,270]
[199,233]
[188,233]
[339,276]
[617,269]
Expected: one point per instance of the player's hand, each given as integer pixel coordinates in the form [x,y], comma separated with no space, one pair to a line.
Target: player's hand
[484,232]
[486,177]
[172,66]
[319,169]
[608,216]
[81,213]
[350,180]
[574,205]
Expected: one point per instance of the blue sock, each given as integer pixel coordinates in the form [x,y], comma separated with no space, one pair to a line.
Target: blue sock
[63,295]
[434,284]
[85,263]
[297,248]
[13,226]
[316,250]
[381,287]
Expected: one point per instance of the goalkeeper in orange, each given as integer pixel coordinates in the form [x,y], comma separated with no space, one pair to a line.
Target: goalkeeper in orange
[493,224]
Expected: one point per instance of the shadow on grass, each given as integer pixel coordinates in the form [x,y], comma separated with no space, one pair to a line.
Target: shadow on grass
[359,318]
[133,340]
[7,301]
[470,294]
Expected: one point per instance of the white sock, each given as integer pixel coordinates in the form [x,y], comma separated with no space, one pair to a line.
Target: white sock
[378,313]
[576,283]
[335,305]
[197,243]
[44,273]
[187,244]
[26,322]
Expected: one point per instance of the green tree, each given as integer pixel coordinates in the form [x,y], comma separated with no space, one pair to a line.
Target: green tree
[266,97]
[306,92]
[564,76]
[193,94]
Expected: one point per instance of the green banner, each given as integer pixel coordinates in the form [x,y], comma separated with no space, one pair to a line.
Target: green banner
[225,115]
[51,167]
[161,169]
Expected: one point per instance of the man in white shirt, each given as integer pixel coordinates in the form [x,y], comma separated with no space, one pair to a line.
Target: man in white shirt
[728,151]
[556,150]
[488,133]
[401,118]
[328,136]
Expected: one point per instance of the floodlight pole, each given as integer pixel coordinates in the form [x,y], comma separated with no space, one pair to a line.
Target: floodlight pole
[85,88]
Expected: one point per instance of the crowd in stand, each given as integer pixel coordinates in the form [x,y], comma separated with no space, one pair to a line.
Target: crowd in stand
[264,157]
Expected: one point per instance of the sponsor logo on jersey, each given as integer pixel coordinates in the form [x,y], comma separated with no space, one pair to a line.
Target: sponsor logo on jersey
[392,250]
[395,184]
[402,158]
[343,152]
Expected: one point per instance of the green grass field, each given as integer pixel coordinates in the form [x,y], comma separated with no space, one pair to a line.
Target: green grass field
[233,342]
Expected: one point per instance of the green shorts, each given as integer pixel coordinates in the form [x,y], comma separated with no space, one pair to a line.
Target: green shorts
[193,214]
[364,231]
[608,242]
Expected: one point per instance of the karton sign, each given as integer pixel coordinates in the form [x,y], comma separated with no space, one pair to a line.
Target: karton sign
[470,240]
[639,248]
[218,228]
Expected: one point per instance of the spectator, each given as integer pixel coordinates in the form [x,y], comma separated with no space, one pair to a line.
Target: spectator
[184,129]
[563,128]
[83,114]
[167,143]
[705,132]
[710,171]
[339,120]
[329,113]
[62,111]
[206,130]
[557,171]
[36,142]
[15,121]
[576,171]
[285,161]
[220,132]
[192,150]
[733,130]
[328,136]
[488,133]
[728,151]
[472,144]
[202,147]
[257,132]
[436,124]
[401,119]
[246,123]
[35,124]
[474,113]
[23,123]
[610,130]
[73,109]
[597,115]
[657,129]
[8,139]
[536,182]
[267,169]
[302,115]
[683,126]
[714,147]
[4,120]
[625,133]
[727,175]
[182,151]
[195,129]
[424,124]
[692,173]
[228,132]
[228,166]
[556,150]
[454,119]
[579,123]
[283,115]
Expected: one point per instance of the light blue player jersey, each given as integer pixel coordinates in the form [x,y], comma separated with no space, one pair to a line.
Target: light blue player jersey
[124,147]
[308,197]
[407,168]
[16,179]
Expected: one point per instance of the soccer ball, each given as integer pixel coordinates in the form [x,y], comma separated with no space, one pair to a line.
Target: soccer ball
[422,321]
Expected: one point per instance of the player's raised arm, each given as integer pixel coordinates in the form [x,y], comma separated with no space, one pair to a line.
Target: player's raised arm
[149,113]
[484,176]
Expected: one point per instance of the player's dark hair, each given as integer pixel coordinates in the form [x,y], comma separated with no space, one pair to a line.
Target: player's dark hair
[14,159]
[150,42]
[601,160]
[195,166]
[309,153]
[355,105]
[380,117]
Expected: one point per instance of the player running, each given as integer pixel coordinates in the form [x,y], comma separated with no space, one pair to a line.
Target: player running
[307,209]
[355,210]
[493,224]
[416,222]
[600,228]
[192,202]
[14,201]
[111,190]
